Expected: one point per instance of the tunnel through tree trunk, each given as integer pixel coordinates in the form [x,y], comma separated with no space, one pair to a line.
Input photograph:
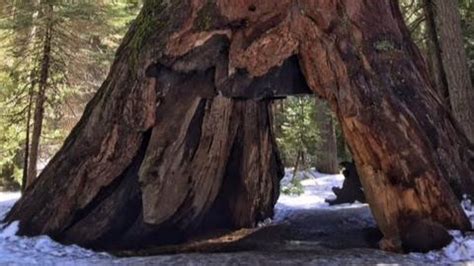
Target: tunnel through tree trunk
[180,131]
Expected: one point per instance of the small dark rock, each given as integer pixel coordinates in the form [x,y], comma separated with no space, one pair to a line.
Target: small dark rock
[425,235]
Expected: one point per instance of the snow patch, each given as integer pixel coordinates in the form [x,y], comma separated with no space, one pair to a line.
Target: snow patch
[462,247]
[468,209]
[38,250]
[317,188]
[9,231]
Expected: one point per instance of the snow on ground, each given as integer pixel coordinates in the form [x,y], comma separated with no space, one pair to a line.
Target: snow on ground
[317,187]
[7,199]
[37,250]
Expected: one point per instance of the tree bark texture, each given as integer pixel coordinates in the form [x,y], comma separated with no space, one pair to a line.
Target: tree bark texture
[181,128]
[454,62]
[326,160]
[434,53]
[27,139]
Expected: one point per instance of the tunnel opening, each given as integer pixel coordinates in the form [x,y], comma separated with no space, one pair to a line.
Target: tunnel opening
[321,197]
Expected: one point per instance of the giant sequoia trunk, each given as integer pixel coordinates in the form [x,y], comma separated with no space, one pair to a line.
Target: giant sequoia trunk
[178,140]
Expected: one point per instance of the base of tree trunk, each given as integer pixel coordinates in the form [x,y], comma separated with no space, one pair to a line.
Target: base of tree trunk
[224,171]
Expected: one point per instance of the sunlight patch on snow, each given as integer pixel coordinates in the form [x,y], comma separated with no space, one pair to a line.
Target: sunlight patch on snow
[8,196]
[7,199]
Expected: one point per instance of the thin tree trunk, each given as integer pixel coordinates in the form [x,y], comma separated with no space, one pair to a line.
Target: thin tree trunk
[148,159]
[27,139]
[297,164]
[454,62]
[326,161]
[40,98]
[434,53]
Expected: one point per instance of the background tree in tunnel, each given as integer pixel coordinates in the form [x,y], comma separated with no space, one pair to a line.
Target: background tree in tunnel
[327,157]
[298,132]
[306,134]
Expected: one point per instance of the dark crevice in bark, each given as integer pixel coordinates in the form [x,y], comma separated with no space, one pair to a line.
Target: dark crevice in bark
[201,58]
[219,215]
[280,81]
[122,197]
[194,131]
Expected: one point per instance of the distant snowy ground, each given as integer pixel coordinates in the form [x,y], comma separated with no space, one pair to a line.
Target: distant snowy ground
[317,187]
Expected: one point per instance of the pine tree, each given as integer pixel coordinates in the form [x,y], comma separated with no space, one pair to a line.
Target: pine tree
[60,52]
[299,133]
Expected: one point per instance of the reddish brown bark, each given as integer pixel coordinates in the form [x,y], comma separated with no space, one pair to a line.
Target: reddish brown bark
[159,149]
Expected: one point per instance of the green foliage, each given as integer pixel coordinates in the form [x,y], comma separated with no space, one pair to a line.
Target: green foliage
[467,16]
[384,46]
[415,19]
[294,188]
[85,35]
[145,25]
[205,17]
[297,131]
[12,131]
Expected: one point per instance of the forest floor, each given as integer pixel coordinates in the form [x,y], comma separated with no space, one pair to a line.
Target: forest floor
[305,230]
